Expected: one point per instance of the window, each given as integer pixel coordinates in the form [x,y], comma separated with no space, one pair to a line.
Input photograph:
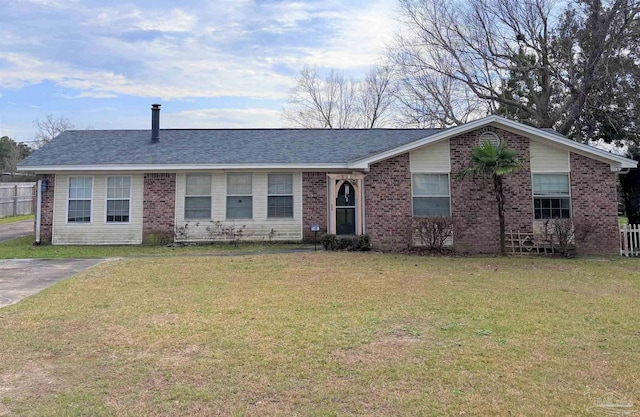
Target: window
[79,209]
[118,199]
[489,137]
[431,195]
[197,197]
[280,195]
[239,196]
[551,198]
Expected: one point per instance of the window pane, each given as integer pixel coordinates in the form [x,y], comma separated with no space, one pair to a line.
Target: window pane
[239,184]
[198,184]
[280,184]
[431,206]
[117,211]
[80,187]
[240,207]
[118,187]
[280,207]
[430,184]
[79,211]
[197,208]
[551,208]
[550,184]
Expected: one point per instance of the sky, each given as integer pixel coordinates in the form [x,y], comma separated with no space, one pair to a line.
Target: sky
[210,63]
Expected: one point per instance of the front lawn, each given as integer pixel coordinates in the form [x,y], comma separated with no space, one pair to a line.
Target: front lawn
[23,248]
[327,334]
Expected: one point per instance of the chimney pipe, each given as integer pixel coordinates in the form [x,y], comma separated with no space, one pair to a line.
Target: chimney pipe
[155,123]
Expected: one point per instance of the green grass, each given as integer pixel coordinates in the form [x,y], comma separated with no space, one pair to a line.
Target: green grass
[13,219]
[622,220]
[23,248]
[326,334]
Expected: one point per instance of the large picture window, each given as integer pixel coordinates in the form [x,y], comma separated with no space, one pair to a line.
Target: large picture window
[80,192]
[118,199]
[239,196]
[197,197]
[431,196]
[551,199]
[280,195]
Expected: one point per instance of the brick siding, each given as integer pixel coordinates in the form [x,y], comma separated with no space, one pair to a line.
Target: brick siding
[46,213]
[594,206]
[314,203]
[159,202]
[388,204]
[473,203]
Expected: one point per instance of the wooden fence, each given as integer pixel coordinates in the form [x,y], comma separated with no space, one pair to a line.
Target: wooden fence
[17,198]
[520,243]
[630,240]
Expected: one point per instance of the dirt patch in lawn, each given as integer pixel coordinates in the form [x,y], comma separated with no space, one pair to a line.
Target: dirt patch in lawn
[391,348]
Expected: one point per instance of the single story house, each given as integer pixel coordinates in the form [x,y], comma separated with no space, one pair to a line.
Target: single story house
[130,186]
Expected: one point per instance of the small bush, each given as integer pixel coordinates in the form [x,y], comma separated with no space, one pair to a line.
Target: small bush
[159,238]
[348,243]
[433,232]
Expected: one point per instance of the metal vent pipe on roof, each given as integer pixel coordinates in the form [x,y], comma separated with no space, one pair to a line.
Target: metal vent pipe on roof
[155,123]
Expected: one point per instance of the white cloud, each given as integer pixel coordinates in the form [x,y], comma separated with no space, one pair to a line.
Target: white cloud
[222,118]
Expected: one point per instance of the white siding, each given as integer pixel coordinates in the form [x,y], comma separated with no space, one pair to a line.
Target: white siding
[545,158]
[432,158]
[257,228]
[98,232]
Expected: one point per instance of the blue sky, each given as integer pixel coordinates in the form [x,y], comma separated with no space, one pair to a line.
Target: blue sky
[222,63]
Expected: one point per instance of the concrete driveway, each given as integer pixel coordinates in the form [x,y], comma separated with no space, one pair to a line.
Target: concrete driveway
[20,278]
[18,229]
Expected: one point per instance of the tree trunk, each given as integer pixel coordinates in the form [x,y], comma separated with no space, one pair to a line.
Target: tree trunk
[497,187]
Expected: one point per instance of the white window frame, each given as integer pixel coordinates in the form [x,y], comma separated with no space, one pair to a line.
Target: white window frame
[107,199]
[186,196]
[79,199]
[226,203]
[269,195]
[414,195]
[557,196]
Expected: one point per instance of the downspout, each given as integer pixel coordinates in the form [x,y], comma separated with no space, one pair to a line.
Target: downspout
[38,211]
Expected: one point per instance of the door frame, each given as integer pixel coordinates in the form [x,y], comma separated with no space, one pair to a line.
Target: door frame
[356,179]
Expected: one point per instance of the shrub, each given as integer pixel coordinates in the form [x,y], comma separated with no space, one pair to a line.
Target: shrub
[349,243]
[433,232]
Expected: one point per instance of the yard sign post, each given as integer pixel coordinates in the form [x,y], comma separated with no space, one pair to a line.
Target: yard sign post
[315,228]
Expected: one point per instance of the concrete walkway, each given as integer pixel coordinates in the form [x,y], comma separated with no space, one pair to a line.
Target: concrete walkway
[14,230]
[20,278]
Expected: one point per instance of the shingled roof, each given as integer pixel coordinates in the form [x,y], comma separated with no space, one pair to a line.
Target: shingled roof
[220,146]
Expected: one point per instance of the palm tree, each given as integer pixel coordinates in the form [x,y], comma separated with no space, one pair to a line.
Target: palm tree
[491,161]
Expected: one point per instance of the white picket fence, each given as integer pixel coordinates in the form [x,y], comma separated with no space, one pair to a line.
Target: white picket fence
[630,240]
[17,198]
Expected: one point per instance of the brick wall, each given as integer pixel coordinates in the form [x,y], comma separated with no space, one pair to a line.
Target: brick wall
[473,203]
[46,215]
[314,203]
[594,205]
[388,204]
[159,202]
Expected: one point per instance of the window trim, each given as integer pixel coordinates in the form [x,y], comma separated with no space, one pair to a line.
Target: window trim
[413,195]
[210,195]
[107,199]
[533,196]
[227,195]
[69,177]
[281,195]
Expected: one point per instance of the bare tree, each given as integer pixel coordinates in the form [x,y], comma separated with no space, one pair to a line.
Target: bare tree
[377,95]
[457,58]
[336,102]
[50,127]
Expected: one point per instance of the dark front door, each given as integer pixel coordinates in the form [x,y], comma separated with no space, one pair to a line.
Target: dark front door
[346,210]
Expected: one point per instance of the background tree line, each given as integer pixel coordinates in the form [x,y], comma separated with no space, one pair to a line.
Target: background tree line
[573,66]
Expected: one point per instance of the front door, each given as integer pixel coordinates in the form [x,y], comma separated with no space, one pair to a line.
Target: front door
[346,210]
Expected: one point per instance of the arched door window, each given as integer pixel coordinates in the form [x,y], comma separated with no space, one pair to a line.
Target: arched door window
[346,210]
